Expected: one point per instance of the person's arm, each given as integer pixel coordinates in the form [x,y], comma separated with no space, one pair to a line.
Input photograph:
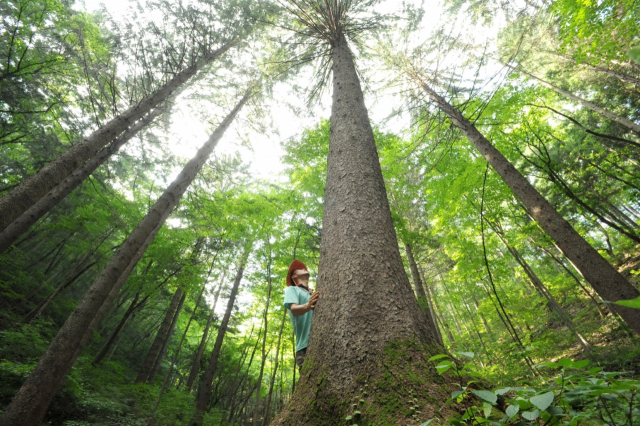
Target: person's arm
[298,310]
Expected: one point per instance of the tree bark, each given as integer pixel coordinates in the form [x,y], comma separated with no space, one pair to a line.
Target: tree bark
[154,350]
[165,342]
[603,277]
[367,309]
[29,405]
[21,224]
[22,197]
[195,368]
[618,119]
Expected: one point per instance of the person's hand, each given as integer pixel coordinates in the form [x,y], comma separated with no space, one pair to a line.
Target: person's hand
[313,300]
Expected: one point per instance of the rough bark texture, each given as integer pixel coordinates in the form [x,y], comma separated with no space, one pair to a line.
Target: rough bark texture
[30,404]
[22,197]
[154,350]
[618,119]
[603,277]
[368,329]
[19,226]
[204,390]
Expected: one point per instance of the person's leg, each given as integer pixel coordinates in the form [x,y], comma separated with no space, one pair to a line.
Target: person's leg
[300,358]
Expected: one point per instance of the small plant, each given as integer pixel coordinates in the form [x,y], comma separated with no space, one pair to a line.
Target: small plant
[566,393]
[356,407]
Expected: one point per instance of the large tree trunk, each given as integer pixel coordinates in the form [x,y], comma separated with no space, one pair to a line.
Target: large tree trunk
[367,329]
[195,367]
[32,400]
[167,340]
[603,277]
[22,197]
[422,296]
[615,117]
[204,390]
[154,350]
[20,225]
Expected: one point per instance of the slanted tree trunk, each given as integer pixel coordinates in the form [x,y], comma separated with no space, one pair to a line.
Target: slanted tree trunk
[367,314]
[37,311]
[37,391]
[195,368]
[132,307]
[422,296]
[204,390]
[615,117]
[175,356]
[539,286]
[603,277]
[154,350]
[21,224]
[25,195]
[165,343]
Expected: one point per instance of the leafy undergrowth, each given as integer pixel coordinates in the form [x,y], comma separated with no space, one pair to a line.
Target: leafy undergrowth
[562,392]
[102,395]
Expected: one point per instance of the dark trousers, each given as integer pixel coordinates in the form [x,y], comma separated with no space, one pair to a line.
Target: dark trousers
[300,357]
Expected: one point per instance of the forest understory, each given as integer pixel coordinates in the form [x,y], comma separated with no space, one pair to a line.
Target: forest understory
[461,179]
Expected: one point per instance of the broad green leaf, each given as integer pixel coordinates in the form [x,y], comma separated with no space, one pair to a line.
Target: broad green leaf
[531,415]
[542,401]
[467,354]
[435,357]
[487,409]
[555,411]
[455,394]
[631,303]
[486,395]
[428,422]
[512,410]
[501,391]
[348,417]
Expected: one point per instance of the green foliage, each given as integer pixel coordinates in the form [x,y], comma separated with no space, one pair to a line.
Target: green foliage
[564,392]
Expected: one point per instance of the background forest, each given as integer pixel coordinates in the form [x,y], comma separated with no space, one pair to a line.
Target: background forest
[554,85]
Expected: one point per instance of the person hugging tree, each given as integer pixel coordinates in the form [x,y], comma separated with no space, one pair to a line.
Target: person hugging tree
[300,302]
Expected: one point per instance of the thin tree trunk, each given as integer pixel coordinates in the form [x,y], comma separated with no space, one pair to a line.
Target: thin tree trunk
[175,355]
[37,391]
[618,119]
[422,297]
[540,287]
[432,309]
[21,224]
[154,350]
[264,343]
[195,368]
[134,305]
[37,311]
[603,277]
[25,195]
[165,343]
[275,370]
[204,390]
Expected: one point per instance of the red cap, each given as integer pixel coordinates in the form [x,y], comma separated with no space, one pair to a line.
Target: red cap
[295,265]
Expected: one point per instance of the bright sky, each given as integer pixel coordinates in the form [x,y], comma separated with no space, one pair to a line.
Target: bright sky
[189,131]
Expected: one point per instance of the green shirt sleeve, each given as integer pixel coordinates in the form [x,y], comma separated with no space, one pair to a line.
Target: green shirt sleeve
[291,297]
